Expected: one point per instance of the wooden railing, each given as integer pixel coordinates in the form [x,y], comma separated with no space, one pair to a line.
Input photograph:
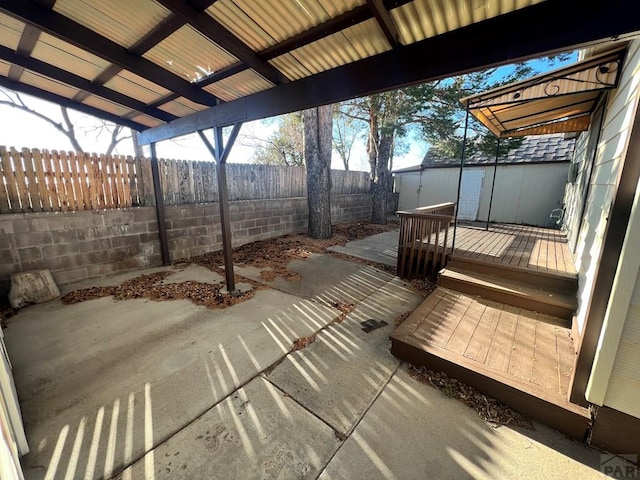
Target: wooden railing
[423,245]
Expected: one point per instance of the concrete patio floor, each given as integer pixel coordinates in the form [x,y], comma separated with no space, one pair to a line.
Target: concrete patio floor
[141,389]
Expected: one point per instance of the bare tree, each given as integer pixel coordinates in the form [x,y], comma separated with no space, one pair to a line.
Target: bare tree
[64,124]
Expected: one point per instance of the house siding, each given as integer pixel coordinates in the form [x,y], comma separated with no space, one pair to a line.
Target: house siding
[523,194]
[611,150]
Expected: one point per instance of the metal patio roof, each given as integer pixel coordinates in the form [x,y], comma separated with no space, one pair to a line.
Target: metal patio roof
[181,66]
[559,101]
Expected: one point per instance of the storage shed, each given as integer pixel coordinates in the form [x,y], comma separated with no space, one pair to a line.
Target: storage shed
[529,182]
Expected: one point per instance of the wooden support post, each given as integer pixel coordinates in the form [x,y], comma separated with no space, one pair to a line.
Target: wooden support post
[221,154]
[157,191]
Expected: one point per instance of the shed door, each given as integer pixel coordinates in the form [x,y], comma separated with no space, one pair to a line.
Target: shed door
[470,194]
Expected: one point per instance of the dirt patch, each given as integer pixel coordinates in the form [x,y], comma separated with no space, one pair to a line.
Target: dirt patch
[273,255]
[151,287]
[423,286]
[304,342]
[489,409]
[401,318]
[6,312]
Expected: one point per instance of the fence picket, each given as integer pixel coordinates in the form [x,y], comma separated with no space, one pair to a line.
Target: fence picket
[20,182]
[6,195]
[32,184]
[43,194]
[74,177]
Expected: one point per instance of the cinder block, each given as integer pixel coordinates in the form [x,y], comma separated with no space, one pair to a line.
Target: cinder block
[144,214]
[69,277]
[64,236]
[4,240]
[59,249]
[248,224]
[29,254]
[99,244]
[33,239]
[125,241]
[19,224]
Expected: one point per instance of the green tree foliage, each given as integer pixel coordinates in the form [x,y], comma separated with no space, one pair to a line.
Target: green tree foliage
[285,146]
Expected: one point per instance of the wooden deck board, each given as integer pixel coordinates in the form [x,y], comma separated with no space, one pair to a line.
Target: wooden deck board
[518,245]
[479,344]
[515,343]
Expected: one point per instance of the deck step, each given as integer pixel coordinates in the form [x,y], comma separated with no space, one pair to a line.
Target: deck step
[505,352]
[550,301]
[534,277]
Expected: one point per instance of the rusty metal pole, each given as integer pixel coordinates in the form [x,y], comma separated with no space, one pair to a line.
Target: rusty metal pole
[223,200]
[493,182]
[464,146]
[157,192]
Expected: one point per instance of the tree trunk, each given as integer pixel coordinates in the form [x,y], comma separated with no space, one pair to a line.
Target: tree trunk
[382,179]
[317,154]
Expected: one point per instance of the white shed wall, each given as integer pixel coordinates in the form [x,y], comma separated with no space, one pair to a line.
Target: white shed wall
[523,194]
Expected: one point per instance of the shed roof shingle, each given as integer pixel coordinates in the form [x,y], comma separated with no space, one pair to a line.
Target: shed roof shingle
[535,149]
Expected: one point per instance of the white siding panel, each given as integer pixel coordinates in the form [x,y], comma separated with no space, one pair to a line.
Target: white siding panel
[618,121]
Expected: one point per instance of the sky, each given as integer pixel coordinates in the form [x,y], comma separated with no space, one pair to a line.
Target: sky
[20,129]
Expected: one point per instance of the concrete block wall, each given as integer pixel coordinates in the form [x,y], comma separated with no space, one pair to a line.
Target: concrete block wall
[78,245]
[81,245]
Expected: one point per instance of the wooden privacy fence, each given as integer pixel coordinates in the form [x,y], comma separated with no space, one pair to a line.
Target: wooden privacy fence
[423,244]
[46,181]
[186,181]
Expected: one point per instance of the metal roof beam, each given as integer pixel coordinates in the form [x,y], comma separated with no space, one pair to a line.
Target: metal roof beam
[222,37]
[505,39]
[82,37]
[385,21]
[76,81]
[65,102]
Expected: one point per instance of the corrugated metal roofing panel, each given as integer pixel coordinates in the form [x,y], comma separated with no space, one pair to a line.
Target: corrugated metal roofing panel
[238,85]
[422,19]
[4,68]
[11,31]
[106,105]
[273,21]
[235,19]
[353,43]
[290,67]
[68,57]
[146,120]
[189,54]
[123,21]
[136,87]
[182,106]
[47,84]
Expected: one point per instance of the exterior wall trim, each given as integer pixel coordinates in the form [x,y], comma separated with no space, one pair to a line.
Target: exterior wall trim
[614,236]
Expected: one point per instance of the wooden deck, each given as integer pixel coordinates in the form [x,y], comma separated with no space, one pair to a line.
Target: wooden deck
[516,245]
[518,356]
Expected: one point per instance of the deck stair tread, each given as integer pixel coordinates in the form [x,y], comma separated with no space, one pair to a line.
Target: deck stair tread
[517,354]
[566,299]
